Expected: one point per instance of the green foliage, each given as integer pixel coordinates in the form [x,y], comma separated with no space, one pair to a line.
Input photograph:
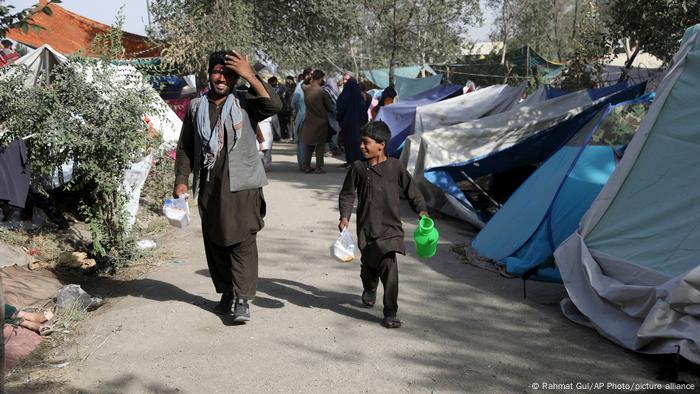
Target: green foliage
[108,46]
[21,19]
[92,114]
[302,33]
[658,25]
[592,45]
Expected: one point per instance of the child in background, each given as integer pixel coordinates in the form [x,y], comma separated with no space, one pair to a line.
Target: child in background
[378,181]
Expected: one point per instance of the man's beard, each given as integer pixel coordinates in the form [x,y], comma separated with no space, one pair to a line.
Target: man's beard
[224,92]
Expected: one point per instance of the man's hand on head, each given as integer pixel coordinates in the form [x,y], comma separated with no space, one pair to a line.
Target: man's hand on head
[240,64]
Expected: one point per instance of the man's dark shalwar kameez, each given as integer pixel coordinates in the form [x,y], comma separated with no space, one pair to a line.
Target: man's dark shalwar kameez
[230,220]
[379,230]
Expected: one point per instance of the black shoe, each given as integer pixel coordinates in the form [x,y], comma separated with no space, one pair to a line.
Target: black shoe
[391,322]
[241,311]
[369,297]
[224,306]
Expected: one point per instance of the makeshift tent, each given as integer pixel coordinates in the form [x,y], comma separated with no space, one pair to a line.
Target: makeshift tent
[633,266]
[503,142]
[399,116]
[547,207]
[40,62]
[380,76]
[483,102]
[409,87]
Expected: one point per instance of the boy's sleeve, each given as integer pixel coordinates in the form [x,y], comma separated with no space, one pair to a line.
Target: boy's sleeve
[347,194]
[413,195]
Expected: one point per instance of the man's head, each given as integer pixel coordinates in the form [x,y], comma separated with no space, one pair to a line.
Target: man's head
[347,76]
[307,74]
[373,139]
[317,77]
[272,81]
[222,80]
[6,43]
[289,80]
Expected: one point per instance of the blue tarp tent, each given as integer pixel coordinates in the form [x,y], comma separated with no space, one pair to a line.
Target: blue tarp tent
[632,268]
[400,115]
[409,87]
[547,207]
[595,94]
[505,142]
[380,76]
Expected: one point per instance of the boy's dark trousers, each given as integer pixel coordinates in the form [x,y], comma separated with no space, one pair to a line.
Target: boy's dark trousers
[387,271]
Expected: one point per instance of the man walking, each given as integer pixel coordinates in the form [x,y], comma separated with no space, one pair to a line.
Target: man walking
[315,128]
[218,145]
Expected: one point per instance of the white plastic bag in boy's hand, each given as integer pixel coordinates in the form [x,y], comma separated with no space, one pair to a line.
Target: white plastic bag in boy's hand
[344,247]
[177,211]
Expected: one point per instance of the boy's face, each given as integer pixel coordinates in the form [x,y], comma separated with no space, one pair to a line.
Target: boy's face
[222,80]
[371,148]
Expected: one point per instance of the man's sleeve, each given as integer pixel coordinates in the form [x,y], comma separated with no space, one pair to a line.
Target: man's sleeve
[347,194]
[261,108]
[185,151]
[413,195]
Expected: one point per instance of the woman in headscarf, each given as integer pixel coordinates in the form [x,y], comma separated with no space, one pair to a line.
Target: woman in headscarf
[352,115]
[331,88]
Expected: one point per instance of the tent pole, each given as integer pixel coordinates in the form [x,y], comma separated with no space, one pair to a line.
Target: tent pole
[473,182]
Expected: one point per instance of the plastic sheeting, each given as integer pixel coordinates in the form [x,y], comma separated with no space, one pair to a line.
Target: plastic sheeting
[496,143]
[399,116]
[483,102]
[380,76]
[409,87]
[633,267]
[40,63]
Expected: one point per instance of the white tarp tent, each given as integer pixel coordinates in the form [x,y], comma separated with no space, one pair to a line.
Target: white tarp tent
[632,269]
[481,103]
[40,63]
[469,140]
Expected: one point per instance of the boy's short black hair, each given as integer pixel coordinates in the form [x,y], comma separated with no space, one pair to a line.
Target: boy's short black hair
[377,131]
[6,43]
[307,71]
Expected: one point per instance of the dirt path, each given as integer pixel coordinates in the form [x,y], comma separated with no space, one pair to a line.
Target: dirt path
[465,329]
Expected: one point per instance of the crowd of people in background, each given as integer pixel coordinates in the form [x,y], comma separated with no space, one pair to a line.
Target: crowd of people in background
[322,114]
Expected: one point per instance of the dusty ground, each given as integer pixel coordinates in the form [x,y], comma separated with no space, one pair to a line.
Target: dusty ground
[466,329]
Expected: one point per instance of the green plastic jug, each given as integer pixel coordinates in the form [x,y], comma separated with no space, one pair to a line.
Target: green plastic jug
[426,237]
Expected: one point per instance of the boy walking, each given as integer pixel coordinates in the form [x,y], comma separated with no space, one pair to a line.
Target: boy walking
[378,181]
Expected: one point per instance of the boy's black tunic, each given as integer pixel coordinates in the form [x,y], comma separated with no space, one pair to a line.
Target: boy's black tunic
[379,189]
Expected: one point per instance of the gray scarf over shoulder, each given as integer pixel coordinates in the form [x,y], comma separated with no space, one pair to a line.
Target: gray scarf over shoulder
[244,164]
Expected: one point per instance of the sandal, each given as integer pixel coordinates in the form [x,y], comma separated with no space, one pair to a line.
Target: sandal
[306,170]
[369,297]
[391,322]
[45,330]
[319,170]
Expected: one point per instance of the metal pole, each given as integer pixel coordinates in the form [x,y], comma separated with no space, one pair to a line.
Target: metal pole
[473,182]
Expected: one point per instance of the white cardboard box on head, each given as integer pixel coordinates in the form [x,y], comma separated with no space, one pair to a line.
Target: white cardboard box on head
[177,211]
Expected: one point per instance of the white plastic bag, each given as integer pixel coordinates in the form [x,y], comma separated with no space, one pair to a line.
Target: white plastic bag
[177,211]
[344,247]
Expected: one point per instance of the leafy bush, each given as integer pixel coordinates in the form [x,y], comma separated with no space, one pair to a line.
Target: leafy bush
[92,114]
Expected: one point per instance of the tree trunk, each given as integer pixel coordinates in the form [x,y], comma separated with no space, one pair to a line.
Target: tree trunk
[573,33]
[506,23]
[394,44]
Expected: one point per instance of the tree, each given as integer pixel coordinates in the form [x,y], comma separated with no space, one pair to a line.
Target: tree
[23,19]
[295,33]
[419,30]
[592,46]
[657,25]
[91,114]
